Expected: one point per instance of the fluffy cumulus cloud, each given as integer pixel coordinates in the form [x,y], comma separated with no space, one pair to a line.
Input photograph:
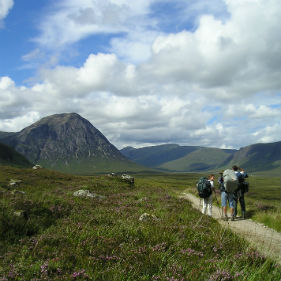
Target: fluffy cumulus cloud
[5,7]
[76,19]
[216,84]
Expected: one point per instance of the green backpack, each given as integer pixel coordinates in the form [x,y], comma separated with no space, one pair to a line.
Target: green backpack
[204,188]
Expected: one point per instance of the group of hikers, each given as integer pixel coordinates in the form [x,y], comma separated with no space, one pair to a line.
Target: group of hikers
[232,187]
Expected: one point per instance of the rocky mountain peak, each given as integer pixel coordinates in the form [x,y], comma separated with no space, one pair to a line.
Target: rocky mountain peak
[62,137]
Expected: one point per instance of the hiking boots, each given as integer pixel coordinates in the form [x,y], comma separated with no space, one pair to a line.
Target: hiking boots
[232,218]
[224,218]
[243,215]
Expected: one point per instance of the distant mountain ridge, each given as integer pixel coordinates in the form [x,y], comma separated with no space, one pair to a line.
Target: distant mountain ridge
[175,158]
[69,143]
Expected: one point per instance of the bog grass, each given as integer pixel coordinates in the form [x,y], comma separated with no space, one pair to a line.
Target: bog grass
[48,234]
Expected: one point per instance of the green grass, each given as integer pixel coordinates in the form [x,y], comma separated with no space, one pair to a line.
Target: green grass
[62,237]
[263,200]
[93,166]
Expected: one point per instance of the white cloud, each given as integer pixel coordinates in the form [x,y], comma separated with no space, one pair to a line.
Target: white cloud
[159,87]
[238,56]
[252,111]
[34,54]
[5,7]
[13,124]
[268,134]
[77,19]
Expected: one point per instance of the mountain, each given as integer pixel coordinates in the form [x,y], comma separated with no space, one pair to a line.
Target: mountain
[154,156]
[10,157]
[259,157]
[256,157]
[69,143]
[201,159]
[5,134]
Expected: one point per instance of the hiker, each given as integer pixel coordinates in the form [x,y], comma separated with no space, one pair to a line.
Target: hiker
[230,182]
[208,201]
[239,193]
[226,197]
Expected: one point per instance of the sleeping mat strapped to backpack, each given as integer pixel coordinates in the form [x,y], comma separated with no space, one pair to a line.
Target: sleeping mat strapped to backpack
[230,181]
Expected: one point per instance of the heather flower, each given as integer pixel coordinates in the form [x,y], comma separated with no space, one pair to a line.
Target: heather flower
[44,267]
[221,275]
[237,274]
[192,252]
[109,258]
[159,247]
[80,273]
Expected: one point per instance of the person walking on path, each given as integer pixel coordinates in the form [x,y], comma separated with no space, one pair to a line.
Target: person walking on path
[226,197]
[208,201]
[239,194]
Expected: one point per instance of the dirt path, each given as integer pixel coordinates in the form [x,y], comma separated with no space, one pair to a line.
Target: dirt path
[267,241]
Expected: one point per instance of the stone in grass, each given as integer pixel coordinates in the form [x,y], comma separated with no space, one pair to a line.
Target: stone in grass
[14,182]
[129,179]
[148,217]
[87,193]
[36,167]
[21,214]
[17,192]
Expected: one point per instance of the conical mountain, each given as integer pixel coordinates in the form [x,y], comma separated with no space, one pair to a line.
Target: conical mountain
[69,143]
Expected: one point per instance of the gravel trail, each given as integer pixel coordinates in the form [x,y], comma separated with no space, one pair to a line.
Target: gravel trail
[266,240]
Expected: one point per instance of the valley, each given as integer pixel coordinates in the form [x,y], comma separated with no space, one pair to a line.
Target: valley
[48,233]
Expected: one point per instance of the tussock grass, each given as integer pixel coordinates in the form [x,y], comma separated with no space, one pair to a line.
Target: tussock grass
[62,237]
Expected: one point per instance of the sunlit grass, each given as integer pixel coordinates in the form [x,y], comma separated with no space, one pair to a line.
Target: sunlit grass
[62,237]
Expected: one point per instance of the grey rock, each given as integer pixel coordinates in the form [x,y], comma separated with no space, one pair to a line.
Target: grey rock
[148,217]
[87,193]
[14,182]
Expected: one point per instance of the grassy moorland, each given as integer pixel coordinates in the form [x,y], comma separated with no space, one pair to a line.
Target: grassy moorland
[48,234]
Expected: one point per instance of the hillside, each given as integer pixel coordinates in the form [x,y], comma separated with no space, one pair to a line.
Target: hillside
[69,143]
[259,157]
[202,159]
[119,233]
[5,134]
[255,158]
[10,157]
[155,156]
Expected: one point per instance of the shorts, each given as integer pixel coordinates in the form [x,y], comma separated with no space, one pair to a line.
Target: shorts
[227,197]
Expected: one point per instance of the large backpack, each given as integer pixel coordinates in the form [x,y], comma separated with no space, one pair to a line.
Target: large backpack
[204,188]
[230,181]
[242,184]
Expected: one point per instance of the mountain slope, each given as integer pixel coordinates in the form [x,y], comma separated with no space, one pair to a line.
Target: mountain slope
[70,143]
[256,157]
[155,156]
[10,157]
[259,157]
[201,159]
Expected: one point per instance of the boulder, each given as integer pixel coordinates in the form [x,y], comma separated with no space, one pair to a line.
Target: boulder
[21,214]
[148,217]
[112,175]
[87,193]
[36,167]
[17,192]
[14,182]
[128,178]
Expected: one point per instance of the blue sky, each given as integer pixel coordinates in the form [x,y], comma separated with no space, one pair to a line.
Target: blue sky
[145,72]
